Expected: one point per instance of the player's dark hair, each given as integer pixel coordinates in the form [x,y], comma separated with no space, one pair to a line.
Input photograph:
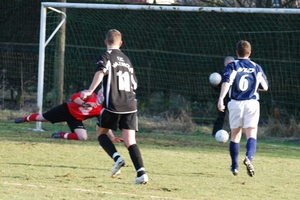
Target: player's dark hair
[243,48]
[113,36]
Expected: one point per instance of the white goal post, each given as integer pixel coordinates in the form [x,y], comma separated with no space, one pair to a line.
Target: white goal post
[55,6]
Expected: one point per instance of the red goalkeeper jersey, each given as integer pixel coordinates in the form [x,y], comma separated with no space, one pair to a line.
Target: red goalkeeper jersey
[80,112]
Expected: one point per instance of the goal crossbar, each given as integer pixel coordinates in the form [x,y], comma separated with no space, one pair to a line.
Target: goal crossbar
[171,8]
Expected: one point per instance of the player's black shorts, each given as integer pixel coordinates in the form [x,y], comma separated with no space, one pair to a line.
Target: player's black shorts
[61,113]
[113,121]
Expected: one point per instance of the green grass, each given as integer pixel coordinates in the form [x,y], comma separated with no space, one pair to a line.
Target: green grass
[191,166]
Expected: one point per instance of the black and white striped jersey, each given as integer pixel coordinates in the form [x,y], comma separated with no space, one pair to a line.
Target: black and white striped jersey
[119,82]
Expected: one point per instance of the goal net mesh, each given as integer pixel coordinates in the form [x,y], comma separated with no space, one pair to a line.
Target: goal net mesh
[174,52]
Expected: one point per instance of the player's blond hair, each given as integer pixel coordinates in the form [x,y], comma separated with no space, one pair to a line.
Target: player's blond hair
[243,48]
[113,37]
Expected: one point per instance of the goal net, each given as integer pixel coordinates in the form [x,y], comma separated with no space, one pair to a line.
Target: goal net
[173,49]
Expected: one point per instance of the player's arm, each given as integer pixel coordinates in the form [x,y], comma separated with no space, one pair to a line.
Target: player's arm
[263,85]
[260,88]
[134,81]
[226,83]
[224,90]
[76,98]
[100,70]
[113,138]
[96,81]
[80,101]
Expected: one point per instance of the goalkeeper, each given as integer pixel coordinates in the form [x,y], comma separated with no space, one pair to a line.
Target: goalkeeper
[74,112]
[219,121]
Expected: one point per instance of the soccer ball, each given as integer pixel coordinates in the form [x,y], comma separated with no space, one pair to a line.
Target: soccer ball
[222,136]
[215,78]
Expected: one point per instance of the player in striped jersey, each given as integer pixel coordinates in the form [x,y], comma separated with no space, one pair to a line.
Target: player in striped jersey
[74,112]
[243,79]
[115,73]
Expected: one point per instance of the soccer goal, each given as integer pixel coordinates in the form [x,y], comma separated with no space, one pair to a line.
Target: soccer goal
[174,49]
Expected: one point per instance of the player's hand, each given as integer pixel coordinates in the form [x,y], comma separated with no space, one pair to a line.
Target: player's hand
[85,93]
[116,139]
[92,104]
[221,106]
[86,105]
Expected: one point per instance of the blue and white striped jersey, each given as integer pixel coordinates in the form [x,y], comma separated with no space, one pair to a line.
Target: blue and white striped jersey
[245,78]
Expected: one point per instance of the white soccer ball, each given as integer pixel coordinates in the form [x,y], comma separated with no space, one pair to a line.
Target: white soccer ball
[215,78]
[222,136]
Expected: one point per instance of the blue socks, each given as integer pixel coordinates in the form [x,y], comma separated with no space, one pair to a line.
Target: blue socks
[250,148]
[234,149]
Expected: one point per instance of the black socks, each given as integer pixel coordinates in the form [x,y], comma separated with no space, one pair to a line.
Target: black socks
[107,145]
[137,160]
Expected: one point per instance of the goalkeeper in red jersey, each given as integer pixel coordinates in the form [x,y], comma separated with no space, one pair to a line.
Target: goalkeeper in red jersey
[74,112]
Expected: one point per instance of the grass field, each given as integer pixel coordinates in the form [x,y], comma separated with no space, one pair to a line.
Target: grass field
[34,166]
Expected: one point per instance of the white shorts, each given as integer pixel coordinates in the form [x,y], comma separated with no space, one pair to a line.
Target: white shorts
[243,113]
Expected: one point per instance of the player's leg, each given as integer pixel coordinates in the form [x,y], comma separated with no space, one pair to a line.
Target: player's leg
[250,149]
[103,138]
[218,124]
[234,149]
[235,121]
[251,118]
[107,121]
[31,118]
[77,130]
[56,114]
[81,134]
[129,125]
[66,135]
[251,135]
[61,113]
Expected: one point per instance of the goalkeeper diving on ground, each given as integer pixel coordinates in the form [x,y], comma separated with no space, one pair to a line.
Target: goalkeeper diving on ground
[74,112]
